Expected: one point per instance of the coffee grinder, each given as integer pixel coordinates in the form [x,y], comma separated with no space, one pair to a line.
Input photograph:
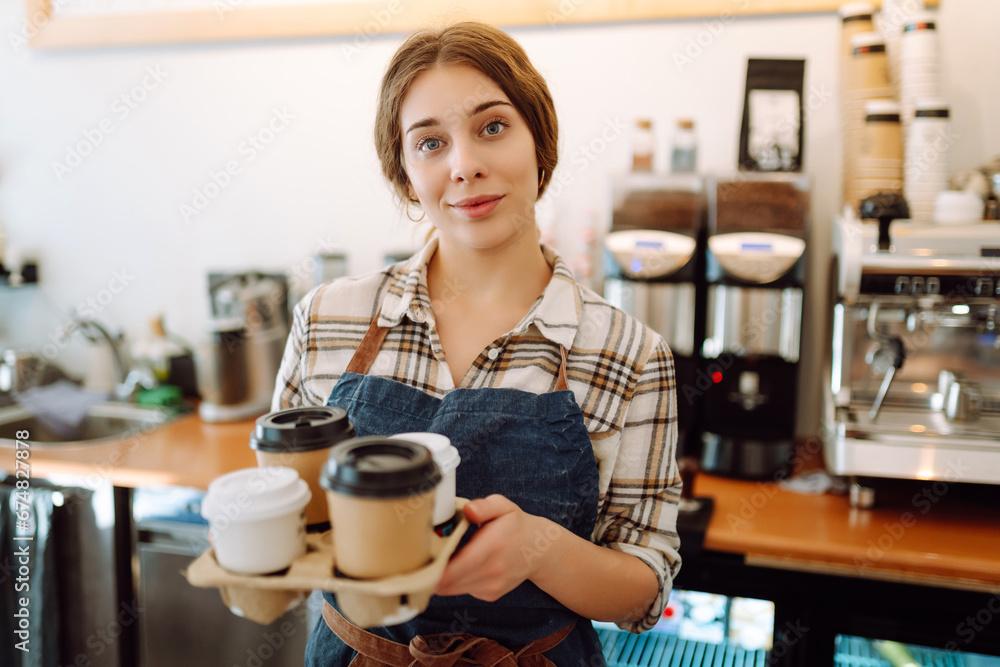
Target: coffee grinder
[755,267]
[653,270]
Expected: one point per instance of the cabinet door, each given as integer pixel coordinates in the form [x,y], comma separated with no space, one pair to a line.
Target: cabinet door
[184,625]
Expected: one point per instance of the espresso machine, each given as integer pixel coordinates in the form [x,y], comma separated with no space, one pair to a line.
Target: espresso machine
[914,386]
[654,271]
[755,267]
[247,334]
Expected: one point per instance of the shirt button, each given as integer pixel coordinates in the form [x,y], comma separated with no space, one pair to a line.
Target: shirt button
[418,315]
[493,353]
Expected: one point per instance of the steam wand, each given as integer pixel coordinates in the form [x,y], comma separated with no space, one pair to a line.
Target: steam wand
[893,346]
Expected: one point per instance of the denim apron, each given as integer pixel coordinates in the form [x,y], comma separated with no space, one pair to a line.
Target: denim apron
[532,448]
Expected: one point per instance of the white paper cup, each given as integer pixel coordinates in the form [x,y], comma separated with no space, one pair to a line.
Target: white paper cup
[447,458]
[257,519]
[953,207]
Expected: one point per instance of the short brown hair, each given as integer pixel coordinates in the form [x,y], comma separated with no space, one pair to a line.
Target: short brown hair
[485,48]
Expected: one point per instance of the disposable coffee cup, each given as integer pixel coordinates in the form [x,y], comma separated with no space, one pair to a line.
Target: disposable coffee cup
[869,67]
[256,519]
[856,18]
[301,438]
[447,458]
[381,497]
[883,135]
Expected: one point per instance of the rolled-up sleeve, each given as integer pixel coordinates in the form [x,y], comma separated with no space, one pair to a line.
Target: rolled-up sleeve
[639,514]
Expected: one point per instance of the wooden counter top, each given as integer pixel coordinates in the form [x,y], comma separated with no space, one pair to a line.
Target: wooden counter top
[936,538]
[183,452]
[920,532]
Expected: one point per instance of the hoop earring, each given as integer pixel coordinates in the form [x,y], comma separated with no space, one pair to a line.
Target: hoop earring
[422,213]
[541,179]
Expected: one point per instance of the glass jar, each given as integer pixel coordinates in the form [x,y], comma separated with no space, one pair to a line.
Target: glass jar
[684,149]
[642,145]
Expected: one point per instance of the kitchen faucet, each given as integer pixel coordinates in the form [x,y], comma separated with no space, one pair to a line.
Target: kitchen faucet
[127,380]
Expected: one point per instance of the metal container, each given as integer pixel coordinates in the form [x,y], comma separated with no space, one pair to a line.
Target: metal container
[21,370]
[749,320]
[666,307]
[963,401]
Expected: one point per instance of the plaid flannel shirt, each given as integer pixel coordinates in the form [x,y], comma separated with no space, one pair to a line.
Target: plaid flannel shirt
[621,372]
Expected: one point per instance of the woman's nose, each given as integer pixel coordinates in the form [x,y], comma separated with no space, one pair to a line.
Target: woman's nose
[467,161]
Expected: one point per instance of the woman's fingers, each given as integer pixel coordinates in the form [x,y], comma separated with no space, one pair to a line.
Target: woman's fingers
[491,564]
[489,508]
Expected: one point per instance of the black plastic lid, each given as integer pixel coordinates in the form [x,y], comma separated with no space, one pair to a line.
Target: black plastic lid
[301,429]
[377,467]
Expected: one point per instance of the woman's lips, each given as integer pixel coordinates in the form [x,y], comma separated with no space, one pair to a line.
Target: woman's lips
[477,207]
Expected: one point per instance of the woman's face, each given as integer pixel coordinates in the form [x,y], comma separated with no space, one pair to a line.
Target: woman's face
[469,156]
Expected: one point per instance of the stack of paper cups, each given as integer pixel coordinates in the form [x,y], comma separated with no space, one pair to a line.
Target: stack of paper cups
[879,165]
[894,15]
[928,142]
[856,18]
[867,78]
[919,65]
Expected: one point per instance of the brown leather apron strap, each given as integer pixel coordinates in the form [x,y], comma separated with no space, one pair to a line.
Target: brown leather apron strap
[439,650]
[363,357]
[368,349]
[561,383]
[373,651]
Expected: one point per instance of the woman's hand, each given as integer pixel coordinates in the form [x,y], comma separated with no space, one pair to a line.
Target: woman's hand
[500,556]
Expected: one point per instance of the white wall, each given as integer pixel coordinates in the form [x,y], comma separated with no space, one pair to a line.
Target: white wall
[317,183]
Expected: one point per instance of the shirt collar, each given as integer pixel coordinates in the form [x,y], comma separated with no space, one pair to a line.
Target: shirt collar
[556,312]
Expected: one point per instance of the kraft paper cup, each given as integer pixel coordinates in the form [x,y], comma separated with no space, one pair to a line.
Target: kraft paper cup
[381,497]
[256,519]
[856,18]
[301,438]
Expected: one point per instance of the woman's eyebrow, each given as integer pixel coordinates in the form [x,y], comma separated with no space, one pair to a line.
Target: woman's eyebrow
[431,122]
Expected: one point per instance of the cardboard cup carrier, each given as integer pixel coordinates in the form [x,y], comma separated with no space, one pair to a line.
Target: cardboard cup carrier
[301,438]
[382,559]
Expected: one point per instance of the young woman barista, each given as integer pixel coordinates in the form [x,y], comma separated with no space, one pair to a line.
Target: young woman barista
[562,407]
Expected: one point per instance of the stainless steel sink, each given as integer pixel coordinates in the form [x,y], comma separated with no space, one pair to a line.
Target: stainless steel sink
[104,421]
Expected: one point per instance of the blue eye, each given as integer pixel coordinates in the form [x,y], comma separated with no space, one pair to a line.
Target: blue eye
[494,128]
[430,144]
